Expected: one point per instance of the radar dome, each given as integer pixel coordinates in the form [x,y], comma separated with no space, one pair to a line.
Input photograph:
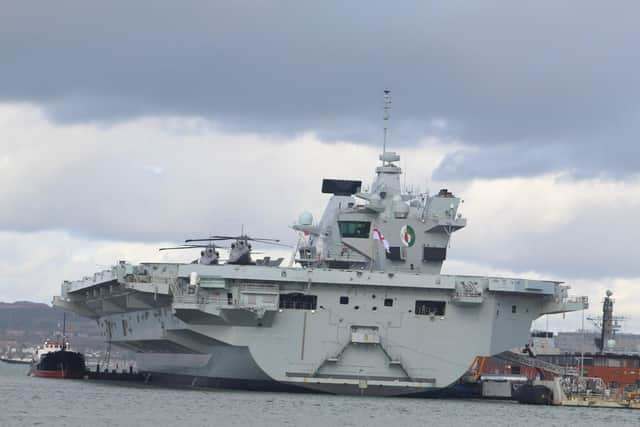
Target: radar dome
[611,343]
[400,210]
[305,218]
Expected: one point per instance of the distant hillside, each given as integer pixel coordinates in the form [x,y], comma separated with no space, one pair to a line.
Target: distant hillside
[29,323]
[24,315]
[34,316]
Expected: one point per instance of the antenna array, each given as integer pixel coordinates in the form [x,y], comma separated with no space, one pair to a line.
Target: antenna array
[385,117]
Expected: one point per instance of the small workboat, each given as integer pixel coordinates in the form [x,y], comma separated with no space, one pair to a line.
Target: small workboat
[16,360]
[55,360]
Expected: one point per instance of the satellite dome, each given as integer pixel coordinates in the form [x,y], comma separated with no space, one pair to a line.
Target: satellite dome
[305,218]
[611,343]
[400,210]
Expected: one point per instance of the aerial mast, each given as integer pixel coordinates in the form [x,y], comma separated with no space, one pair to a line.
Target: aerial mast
[608,324]
[385,118]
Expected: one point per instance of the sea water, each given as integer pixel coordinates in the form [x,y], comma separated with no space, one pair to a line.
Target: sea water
[26,401]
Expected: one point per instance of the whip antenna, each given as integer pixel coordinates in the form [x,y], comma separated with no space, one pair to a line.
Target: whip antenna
[385,118]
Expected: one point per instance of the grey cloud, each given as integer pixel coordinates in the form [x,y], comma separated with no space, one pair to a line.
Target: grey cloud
[501,160]
[499,73]
[600,241]
[612,153]
[140,182]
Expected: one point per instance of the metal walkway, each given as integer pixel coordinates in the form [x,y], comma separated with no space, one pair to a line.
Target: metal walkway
[532,362]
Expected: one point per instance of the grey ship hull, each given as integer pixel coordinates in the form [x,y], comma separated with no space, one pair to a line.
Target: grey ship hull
[181,373]
[233,368]
[177,369]
[223,367]
[236,330]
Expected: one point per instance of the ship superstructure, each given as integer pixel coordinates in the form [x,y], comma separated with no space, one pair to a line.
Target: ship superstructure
[364,311]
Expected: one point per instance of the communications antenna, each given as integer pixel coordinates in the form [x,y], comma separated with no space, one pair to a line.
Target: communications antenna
[608,324]
[385,117]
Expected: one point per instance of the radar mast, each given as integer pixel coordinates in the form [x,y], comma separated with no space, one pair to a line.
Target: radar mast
[385,119]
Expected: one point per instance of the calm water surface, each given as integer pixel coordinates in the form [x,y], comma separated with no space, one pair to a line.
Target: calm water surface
[26,401]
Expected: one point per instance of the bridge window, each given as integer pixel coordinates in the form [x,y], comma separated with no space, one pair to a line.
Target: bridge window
[388,302]
[428,308]
[344,300]
[298,301]
[357,229]
[395,253]
[433,254]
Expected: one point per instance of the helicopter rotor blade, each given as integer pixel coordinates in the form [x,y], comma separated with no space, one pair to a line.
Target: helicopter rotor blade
[182,247]
[274,243]
[204,240]
[257,239]
[194,246]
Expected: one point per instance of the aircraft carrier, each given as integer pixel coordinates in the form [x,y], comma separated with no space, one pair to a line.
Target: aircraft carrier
[363,310]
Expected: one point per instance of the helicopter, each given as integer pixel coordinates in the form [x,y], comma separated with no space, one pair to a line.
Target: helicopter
[240,251]
[208,255]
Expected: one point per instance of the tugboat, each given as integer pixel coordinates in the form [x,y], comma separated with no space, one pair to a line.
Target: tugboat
[55,360]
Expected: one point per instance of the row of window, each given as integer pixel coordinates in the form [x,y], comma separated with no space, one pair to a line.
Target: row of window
[574,360]
[299,301]
[354,229]
[388,302]
[430,308]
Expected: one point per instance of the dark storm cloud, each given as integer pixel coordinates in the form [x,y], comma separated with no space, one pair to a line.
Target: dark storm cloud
[498,74]
[610,158]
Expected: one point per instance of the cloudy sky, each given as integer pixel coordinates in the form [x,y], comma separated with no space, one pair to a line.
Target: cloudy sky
[124,127]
